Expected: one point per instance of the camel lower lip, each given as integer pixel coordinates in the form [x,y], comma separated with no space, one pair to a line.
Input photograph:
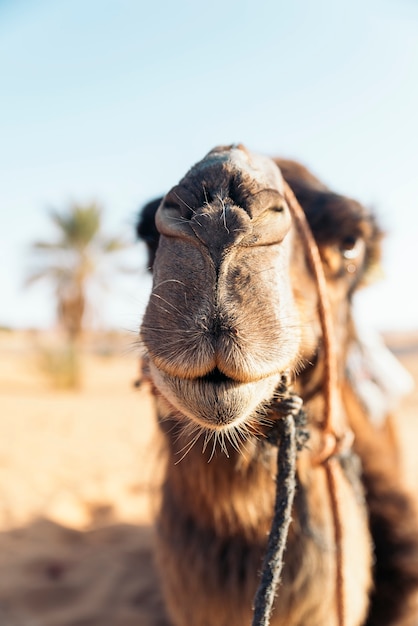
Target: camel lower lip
[214,402]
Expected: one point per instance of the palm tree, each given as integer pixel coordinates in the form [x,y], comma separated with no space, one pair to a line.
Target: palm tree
[72,261]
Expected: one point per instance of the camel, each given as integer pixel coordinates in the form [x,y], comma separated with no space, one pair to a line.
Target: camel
[233,307]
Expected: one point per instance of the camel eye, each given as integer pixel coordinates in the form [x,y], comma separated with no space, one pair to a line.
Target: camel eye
[351,247]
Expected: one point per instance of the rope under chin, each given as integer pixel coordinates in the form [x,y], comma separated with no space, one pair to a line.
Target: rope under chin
[285,493]
[332,442]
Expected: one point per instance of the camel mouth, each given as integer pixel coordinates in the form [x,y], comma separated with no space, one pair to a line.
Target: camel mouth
[216,377]
[215,401]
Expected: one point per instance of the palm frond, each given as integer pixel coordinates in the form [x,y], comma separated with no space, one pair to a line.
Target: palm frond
[80,225]
[36,277]
[114,244]
[48,246]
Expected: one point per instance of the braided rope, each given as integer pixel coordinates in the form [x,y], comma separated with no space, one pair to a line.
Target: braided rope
[285,492]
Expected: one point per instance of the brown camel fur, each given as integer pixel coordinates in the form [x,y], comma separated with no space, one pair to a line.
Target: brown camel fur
[233,306]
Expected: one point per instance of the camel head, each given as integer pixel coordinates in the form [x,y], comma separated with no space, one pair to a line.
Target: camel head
[234,304]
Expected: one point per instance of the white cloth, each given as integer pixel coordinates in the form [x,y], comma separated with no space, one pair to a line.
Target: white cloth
[379,379]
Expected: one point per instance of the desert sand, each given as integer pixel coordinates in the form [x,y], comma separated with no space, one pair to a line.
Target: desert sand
[79,473]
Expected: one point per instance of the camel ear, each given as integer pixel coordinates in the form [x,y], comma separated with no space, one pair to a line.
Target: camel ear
[146,229]
[373,236]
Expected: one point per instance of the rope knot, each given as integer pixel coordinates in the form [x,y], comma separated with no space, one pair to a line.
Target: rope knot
[333,445]
[288,404]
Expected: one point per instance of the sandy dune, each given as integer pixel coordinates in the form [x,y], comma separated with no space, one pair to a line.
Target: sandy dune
[78,477]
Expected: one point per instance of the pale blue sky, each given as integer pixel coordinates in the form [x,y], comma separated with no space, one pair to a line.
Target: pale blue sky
[116,99]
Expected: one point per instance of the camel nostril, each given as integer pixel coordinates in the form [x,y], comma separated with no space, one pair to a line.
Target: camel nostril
[220,327]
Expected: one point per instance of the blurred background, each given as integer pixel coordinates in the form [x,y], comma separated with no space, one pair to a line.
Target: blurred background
[113,101]
[104,105]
